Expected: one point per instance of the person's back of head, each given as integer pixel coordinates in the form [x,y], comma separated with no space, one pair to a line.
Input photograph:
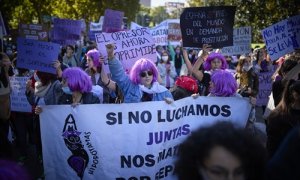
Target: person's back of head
[223,84]
[287,65]
[209,144]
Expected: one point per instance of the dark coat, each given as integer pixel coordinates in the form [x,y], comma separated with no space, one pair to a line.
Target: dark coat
[87,98]
[278,126]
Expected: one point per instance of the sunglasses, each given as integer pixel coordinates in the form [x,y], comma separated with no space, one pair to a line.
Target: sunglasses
[144,73]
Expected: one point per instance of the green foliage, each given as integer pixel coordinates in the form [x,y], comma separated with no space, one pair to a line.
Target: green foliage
[256,13]
[27,11]
[159,14]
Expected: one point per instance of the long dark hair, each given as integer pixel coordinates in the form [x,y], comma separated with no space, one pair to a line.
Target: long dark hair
[196,149]
[3,77]
[285,104]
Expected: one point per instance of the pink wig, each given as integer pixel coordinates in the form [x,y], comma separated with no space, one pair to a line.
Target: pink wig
[211,57]
[78,80]
[224,84]
[95,56]
[140,66]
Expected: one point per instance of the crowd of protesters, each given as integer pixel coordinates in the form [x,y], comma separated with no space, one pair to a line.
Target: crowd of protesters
[175,74]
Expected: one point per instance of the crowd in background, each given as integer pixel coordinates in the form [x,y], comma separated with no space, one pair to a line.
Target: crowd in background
[175,74]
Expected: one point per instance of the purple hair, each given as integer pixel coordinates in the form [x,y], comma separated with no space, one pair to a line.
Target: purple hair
[12,170]
[211,57]
[140,66]
[94,55]
[78,80]
[224,84]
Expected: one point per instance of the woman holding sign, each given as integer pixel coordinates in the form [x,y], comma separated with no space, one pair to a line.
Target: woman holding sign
[99,76]
[141,85]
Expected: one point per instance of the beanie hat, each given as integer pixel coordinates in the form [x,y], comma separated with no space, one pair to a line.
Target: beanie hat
[187,83]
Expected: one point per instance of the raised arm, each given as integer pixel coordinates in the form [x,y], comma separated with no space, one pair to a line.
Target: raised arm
[110,84]
[197,73]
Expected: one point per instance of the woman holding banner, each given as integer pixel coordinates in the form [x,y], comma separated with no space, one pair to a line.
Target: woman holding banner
[141,85]
[47,90]
[77,87]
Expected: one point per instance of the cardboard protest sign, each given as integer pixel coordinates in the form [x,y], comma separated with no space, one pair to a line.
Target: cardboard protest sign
[265,88]
[241,42]
[95,26]
[129,45]
[127,141]
[66,29]
[113,21]
[37,55]
[33,31]
[207,25]
[18,98]
[174,31]
[283,37]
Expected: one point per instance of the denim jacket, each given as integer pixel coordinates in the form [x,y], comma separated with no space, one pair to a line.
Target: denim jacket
[132,92]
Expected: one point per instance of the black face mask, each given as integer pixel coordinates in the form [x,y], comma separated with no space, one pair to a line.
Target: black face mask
[146,97]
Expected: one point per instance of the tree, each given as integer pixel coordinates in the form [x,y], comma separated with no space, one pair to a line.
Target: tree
[159,14]
[257,14]
[26,11]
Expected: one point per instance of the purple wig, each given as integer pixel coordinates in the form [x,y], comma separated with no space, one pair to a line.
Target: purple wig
[94,55]
[78,80]
[211,57]
[140,66]
[224,84]
[12,170]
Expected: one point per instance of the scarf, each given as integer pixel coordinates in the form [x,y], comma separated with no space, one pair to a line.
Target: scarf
[155,88]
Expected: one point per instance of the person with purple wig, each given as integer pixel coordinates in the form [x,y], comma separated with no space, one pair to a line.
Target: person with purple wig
[141,85]
[99,76]
[215,61]
[223,84]
[77,87]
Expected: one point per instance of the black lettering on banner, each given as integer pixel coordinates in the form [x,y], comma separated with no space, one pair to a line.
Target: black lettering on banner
[112,120]
[137,161]
[207,25]
[166,153]
[135,178]
[164,172]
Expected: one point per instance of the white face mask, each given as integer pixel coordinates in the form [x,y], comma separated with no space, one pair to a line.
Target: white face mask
[165,58]
[247,67]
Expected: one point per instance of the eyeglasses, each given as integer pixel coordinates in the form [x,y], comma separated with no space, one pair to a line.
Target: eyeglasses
[145,73]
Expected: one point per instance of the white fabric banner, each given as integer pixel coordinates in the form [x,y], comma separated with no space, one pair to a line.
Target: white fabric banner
[127,141]
[160,33]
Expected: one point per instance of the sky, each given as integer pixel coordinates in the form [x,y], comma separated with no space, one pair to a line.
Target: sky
[155,3]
